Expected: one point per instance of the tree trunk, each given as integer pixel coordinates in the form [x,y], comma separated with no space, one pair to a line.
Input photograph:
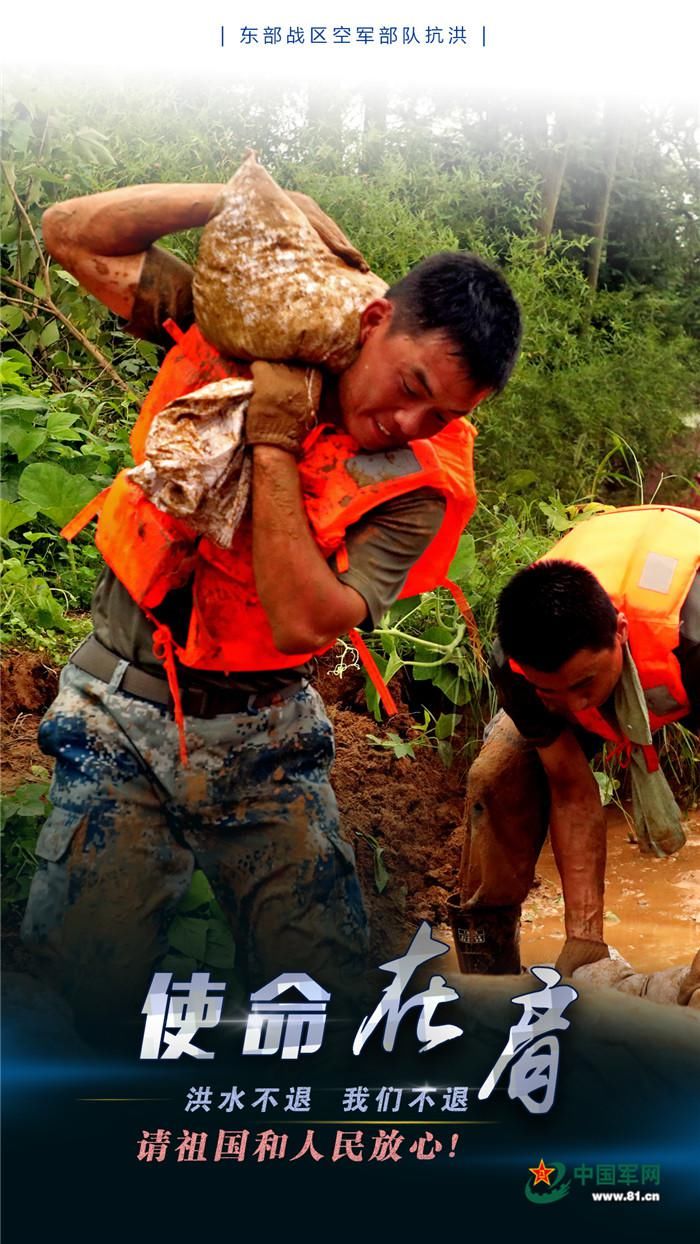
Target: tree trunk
[600,222]
[554,167]
[373,130]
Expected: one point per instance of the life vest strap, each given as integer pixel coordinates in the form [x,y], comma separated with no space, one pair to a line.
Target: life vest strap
[342,562]
[373,673]
[94,507]
[164,650]
[622,752]
[173,330]
[651,758]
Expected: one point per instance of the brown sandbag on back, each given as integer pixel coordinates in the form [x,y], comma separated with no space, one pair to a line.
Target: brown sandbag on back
[267,287]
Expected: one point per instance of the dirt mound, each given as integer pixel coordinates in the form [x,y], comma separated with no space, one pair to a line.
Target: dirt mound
[413,808]
[29,684]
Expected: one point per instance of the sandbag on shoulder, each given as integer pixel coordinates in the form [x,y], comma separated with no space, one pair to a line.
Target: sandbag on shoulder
[267,287]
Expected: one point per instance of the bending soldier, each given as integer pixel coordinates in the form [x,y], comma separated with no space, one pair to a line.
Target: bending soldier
[600,640]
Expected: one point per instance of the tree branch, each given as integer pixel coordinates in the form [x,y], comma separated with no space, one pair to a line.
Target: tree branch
[49,305]
[47,301]
[25,216]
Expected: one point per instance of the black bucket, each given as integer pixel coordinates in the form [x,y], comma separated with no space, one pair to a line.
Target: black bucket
[487,939]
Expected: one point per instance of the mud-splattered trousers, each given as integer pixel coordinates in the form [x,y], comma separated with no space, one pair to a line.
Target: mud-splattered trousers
[254,810]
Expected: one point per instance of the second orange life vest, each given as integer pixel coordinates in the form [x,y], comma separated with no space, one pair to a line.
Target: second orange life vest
[646,558]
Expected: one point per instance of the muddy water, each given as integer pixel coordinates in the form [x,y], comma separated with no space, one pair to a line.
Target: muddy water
[652,906]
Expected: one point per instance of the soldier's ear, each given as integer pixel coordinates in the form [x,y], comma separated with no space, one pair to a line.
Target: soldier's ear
[377,312]
[623,629]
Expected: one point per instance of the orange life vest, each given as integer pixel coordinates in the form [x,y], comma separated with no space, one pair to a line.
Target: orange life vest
[646,558]
[152,552]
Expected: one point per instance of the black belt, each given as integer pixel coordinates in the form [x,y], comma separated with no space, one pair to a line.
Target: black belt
[95,659]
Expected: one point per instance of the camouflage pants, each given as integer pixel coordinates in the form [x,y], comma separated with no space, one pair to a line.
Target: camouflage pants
[254,810]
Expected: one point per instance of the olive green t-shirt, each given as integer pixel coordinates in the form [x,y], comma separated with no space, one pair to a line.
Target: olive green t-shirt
[381,548]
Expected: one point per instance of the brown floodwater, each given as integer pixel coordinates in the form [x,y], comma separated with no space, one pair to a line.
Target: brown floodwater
[652,906]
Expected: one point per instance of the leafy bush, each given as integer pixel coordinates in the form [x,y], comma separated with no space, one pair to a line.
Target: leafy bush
[21,815]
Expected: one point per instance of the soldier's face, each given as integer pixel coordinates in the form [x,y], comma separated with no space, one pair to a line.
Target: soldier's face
[586,680]
[400,387]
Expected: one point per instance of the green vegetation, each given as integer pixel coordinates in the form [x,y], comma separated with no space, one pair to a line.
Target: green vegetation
[596,222]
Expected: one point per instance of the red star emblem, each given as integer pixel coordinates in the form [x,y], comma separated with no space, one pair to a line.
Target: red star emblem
[541,1173]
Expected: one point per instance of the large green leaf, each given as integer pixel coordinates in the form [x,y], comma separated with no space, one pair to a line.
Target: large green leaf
[13,514]
[198,895]
[24,443]
[464,561]
[12,316]
[49,334]
[21,401]
[402,607]
[446,725]
[188,934]
[54,491]
[450,682]
[435,635]
[59,420]
[12,370]
[221,949]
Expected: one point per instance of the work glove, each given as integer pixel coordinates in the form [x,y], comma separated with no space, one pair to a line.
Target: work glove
[328,231]
[578,951]
[283,407]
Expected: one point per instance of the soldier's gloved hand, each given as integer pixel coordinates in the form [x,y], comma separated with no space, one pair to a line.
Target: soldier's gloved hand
[577,951]
[283,407]
[329,232]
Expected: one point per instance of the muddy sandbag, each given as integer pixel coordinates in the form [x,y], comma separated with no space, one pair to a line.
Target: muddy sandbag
[267,287]
[665,986]
[196,467]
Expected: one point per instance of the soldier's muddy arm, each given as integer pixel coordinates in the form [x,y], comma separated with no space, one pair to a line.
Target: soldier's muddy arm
[306,605]
[578,834]
[102,239]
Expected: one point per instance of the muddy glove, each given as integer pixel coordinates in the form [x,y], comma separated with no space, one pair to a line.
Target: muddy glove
[329,232]
[578,951]
[283,406]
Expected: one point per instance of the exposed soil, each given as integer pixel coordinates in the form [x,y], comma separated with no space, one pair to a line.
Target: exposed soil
[28,684]
[413,810]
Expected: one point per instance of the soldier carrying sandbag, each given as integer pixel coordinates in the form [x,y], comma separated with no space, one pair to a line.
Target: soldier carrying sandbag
[185,731]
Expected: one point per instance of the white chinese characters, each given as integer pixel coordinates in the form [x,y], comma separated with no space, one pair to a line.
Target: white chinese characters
[276,1024]
[176,1011]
